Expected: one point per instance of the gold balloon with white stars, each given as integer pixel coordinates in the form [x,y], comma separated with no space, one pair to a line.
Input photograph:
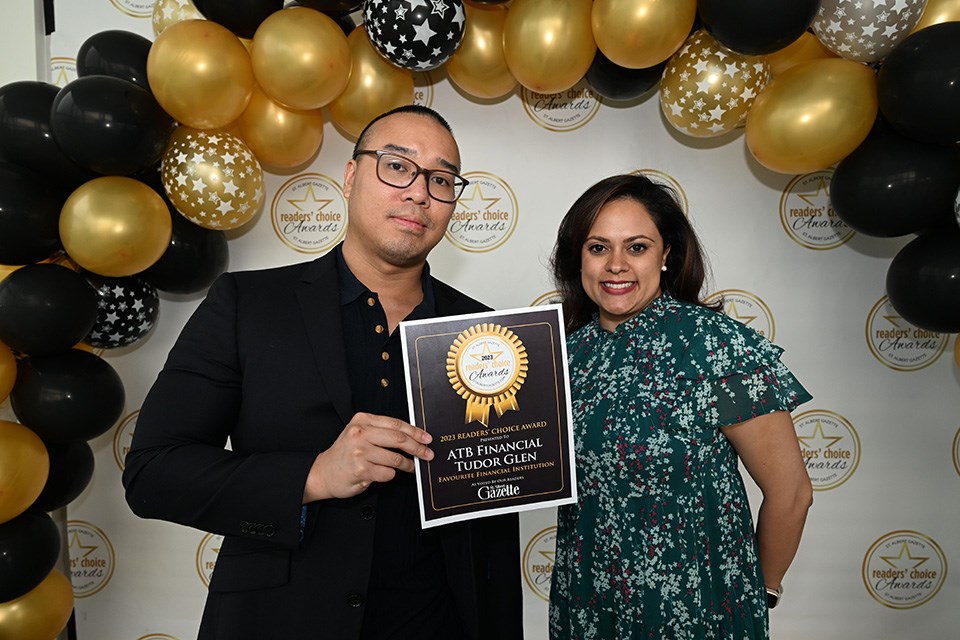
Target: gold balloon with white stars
[169,12]
[707,90]
[212,178]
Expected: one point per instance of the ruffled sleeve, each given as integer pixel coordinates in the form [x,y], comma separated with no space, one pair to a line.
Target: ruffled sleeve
[730,373]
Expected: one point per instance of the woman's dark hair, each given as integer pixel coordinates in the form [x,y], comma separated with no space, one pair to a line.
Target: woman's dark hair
[686,266]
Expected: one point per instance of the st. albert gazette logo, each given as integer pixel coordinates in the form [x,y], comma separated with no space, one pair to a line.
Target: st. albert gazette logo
[309,213]
[158,636]
[807,215]
[123,438]
[564,111]
[485,216]
[423,89]
[746,308]
[550,297]
[538,559]
[135,8]
[904,569]
[956,452]
[830,447]
[92,559]
[63,70]
[897,343]
[207,552]
[668,180]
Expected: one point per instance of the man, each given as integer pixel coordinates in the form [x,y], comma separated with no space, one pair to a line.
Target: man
[301,368]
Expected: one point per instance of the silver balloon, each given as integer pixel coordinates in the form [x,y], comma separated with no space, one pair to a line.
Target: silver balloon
[866,30]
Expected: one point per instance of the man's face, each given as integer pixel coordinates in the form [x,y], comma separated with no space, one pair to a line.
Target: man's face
[399,226]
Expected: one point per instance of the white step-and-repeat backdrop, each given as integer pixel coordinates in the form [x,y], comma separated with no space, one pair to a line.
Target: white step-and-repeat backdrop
[881,435]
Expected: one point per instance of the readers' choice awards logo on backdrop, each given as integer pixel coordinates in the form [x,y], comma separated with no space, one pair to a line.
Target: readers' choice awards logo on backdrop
[486,214]
[904,569]
[423,89]
[207,552]
[62,70]
[158,636]
[807,215]
[830,447]
[897,343]
[956,452]
[123,438]
[564,111]
[550,297]
[92,559]
[668,180]
[746,308]
[538,558]
[135,8]
[309,213]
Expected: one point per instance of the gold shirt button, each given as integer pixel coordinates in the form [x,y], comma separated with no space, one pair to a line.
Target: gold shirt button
[379,328]
[371,302]
[384,383]
[385,355]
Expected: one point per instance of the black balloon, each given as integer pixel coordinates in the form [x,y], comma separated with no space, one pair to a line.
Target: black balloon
[71,469]
[127,310]
[756,27]
[918,86]
[614,82]
[923,280]
[45,309]
[67,397]
[109,125]
[892,185]
[194,259]
[119,54]
[25,136]
[29,216]
[29,548]
[242,17]
[414,36]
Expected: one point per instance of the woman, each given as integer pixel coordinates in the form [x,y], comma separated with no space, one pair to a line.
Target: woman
[667,395]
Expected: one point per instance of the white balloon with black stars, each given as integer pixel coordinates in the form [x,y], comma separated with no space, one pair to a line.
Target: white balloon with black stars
[127,310]
[415,34]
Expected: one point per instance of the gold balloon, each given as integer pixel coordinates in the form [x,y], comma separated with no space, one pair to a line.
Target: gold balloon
[8,371]
[806,47]
[549,45]
[641,33]
[938,11]
[813,115]
[115,226]
[212,178]
[39,614]
[200,73]
[301,58]
[278,136]
[24,465]
[170,12]
[375,86]
[479,66]
[707,90]
[7,269]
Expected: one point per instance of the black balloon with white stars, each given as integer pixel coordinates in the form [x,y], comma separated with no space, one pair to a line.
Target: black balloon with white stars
[127,310]
[415,34]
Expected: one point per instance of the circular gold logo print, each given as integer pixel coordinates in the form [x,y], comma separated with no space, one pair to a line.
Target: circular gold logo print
[956,452]
[830,447]
[135,8]
[807,215]
[897,343]
[666,179]
[538,558]
[309,213]
[550,297]
[157,636]
[62,70]
[486,366]
[423,89]
[904,569]
[747,309]
[564,111]
[123,438]
[207,553]
[92,559]
[485,216]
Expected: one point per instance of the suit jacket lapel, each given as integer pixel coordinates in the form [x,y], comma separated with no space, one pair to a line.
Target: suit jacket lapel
[319,297]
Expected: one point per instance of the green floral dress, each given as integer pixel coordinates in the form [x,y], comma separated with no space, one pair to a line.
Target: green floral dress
[661,541]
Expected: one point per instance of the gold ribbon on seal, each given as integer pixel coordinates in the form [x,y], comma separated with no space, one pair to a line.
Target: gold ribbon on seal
[486,366]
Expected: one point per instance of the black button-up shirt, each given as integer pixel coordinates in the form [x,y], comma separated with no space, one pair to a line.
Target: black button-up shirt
[409,594]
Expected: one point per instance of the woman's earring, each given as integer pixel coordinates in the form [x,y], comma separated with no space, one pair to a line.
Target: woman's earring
[663,268]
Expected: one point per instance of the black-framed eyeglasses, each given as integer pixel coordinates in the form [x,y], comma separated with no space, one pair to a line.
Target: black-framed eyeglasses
[400,172]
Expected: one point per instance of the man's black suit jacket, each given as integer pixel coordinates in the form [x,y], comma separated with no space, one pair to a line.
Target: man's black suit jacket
[262,362]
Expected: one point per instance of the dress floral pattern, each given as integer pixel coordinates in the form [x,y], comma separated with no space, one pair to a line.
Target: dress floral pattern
[661,541]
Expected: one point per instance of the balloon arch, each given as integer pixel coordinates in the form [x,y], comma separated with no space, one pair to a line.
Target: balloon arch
[159,147]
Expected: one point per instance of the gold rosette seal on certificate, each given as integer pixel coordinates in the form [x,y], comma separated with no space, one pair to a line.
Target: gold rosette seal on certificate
[486,366]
